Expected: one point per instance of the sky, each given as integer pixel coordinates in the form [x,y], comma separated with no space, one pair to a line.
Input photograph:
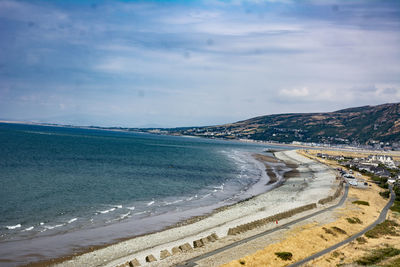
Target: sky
[194,63]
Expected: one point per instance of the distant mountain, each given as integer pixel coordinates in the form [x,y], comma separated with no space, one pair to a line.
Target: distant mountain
[360,125]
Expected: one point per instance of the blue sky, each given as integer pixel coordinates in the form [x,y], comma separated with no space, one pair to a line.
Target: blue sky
[186,63]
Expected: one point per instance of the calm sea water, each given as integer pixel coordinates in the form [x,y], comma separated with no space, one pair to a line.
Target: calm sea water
[62,181]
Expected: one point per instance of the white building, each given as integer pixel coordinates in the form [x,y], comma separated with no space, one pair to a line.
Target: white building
[384,159]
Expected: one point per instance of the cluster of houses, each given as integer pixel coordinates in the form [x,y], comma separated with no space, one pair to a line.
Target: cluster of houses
[379,165]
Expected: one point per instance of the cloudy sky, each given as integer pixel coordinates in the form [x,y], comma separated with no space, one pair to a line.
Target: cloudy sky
[186,63]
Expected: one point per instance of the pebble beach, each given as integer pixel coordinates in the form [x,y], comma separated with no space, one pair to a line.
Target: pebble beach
[311,182]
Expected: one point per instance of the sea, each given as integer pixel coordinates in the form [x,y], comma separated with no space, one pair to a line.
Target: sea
[66,189]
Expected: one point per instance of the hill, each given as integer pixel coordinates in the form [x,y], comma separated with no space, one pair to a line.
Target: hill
[360,125]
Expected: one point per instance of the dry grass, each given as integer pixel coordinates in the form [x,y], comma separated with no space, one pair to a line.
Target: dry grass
[308,239]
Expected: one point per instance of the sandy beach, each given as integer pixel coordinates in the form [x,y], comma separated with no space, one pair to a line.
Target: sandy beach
[312,181]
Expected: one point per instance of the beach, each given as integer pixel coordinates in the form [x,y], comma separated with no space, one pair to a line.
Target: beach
[311,181]
[322,231]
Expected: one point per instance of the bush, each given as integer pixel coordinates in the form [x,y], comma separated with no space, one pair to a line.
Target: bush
[384,185]
[284,255]
[339,230]
[329,231]
[385,194]
[378,255]
[361,240]
[388,227]
[361,202]
[354,220]
[396,206]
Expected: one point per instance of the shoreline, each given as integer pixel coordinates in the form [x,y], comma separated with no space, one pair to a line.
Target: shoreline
[193,219]
[217,221]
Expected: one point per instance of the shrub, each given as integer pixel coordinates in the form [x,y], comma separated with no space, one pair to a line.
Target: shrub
[339,230]
[378,255]
[385,194]
[388,227]
[354,220]
[361,202]
[329,231]
[242,262]
[361,240]
[396,206]
[284,255]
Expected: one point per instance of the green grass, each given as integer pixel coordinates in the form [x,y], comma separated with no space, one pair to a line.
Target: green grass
[396,206]
[385,194]
[388,227]
[361,202]
[284,255]
[378,255]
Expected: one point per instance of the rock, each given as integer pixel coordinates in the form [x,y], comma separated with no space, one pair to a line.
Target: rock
[150,258]
[197,244]
[164,254]
[134,263]
[210,238]
[214,235]
[205,241]
[186,247]
[176,250]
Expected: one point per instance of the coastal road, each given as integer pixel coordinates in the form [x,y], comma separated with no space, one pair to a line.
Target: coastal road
[380,219]
[192,262]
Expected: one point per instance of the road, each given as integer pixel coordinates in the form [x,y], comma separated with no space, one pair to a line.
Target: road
[192,262]
[381,218]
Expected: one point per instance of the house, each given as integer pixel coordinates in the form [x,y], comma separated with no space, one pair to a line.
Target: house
[384,159]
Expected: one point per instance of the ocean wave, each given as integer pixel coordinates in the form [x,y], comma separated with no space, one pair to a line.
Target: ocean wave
[12,227]
[50,227]
[130,208]
[123,216]
[173,202]
[205,196]
[220,187]
[107,211]
[150,203]
[72,220]
[28,229]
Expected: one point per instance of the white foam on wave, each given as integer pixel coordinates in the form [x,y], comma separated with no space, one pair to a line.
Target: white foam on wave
[42,223]
[12,227]
[219,188]
[150,203]
[130,208]
[72,220]
[119,206]
[107,211]
[50,227]
[123,216]
[205,196]
[28,229]
[173,202]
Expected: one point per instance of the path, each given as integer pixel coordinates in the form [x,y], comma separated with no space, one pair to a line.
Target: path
[381,218]
[192,262]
